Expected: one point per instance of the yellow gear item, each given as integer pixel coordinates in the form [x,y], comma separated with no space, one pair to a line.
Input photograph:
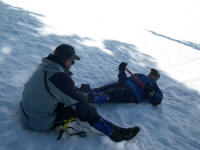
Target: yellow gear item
[66,122]
[65,127]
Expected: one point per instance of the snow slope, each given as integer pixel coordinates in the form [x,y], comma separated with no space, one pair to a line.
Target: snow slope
[136,34]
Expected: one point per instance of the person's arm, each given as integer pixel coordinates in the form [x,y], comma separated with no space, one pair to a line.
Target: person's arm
[122,75]
[156,99]
[64,82]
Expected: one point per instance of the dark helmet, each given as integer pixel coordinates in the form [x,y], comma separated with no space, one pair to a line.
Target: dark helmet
[65,52]
[155,73]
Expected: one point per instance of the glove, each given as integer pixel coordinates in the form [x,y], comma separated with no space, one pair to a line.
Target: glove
[122,66]
[150,92]
[85,88]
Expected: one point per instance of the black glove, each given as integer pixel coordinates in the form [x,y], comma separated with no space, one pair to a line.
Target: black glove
[122,66]
[85,88]
[150,92]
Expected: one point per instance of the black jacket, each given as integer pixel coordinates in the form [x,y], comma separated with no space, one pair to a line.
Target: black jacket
[64,82]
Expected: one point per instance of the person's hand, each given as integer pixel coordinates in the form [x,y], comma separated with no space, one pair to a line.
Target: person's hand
[150,92]
[122,66]
[85,88]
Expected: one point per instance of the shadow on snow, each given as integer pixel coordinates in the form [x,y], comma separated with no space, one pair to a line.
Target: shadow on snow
[21,49]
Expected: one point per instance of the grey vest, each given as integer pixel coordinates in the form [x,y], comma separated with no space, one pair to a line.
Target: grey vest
[37,104]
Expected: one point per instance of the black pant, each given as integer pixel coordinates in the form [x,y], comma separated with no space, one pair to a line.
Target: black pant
[84,111]
[118,92]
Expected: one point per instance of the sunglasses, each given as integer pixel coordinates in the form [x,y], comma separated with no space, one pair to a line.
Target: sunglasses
[155,74]
[72,61]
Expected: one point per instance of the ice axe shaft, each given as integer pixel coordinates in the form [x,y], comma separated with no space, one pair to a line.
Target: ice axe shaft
[132,75]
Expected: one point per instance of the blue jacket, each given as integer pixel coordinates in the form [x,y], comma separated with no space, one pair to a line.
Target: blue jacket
[138,90]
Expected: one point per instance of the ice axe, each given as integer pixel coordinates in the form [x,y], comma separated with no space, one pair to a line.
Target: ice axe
[132,75]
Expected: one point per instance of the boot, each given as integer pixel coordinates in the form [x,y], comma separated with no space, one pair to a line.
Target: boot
[121,134]
[115,133]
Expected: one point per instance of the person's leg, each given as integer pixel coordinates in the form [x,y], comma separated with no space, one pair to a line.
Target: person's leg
[83,111]
[99,95]
[115,93]
[106,87]
[87,113]
[121,95]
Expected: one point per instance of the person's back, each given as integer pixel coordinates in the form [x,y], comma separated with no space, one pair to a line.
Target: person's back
[36,102]
[51,86]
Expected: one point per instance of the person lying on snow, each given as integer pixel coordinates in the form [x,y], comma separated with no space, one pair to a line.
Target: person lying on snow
[50,96]
[136,88]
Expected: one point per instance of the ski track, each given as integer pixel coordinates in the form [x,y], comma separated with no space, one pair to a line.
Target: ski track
[174,125]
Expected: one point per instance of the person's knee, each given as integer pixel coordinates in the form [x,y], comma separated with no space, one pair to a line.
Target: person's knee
[87,112]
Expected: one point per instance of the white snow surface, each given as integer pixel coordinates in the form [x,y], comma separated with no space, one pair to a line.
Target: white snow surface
[160,34]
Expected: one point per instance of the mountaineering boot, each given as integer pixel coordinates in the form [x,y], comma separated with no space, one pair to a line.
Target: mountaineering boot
[121,134]
[115,133]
